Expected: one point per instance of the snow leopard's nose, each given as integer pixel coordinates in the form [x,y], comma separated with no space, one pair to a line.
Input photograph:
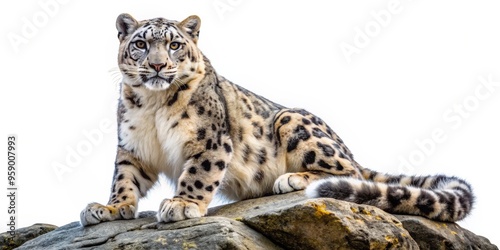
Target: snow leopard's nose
[157,66]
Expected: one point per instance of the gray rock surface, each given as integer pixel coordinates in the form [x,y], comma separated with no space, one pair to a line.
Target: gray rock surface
[275,222]
[297,223]
[439,235]
[8,241]
[145,233]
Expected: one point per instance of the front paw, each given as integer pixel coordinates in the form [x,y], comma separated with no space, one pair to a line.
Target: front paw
[96,213]
[177,209]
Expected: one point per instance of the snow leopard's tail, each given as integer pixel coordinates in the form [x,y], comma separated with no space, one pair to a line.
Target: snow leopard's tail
[437,197]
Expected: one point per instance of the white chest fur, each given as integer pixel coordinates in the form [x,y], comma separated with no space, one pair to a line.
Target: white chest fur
[147,132]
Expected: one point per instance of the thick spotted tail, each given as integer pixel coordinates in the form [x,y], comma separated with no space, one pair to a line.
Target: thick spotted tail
[437,197]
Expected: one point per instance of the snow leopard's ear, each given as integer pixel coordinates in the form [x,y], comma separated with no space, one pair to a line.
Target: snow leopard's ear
[126,25]
[191,26]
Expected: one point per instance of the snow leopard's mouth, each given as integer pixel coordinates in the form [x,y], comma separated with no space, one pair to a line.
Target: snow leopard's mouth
[159,83]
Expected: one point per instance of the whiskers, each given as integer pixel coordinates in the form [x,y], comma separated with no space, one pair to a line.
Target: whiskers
[132,75]
[116,76]
[141,75]
[177,82]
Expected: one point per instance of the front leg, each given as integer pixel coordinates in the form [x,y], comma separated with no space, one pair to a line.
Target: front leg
[202,175]
[131,181]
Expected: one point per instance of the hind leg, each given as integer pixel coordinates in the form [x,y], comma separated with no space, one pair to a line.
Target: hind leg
[313,151]
[290,182]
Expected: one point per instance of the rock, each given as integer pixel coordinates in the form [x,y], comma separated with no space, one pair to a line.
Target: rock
[7,241]
[145,233]
[440,235]
[289,221]
[297,223]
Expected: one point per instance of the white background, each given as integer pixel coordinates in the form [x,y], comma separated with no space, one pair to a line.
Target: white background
[407,80]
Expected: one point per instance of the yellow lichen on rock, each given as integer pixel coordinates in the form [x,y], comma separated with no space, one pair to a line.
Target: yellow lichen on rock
[354,209]
[320,209]
[365,211]
[189,245]
[161,240]
[392,239]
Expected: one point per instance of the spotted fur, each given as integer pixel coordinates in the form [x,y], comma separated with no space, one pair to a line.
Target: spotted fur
[178,117]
